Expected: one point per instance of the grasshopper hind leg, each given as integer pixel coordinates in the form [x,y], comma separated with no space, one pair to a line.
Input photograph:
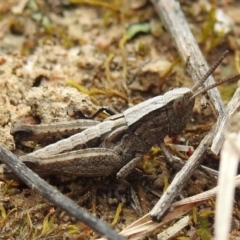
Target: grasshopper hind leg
[126,169]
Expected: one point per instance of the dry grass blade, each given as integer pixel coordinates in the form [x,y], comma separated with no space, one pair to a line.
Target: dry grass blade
[171,231]
[233,105]
[145,226]
[230,156]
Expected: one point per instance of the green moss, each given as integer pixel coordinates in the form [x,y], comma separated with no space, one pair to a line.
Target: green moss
[227,92]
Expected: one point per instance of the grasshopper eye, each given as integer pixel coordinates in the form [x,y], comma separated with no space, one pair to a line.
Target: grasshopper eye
[179,106]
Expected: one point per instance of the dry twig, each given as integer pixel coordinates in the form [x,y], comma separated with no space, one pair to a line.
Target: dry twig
[173,18]
[54,196]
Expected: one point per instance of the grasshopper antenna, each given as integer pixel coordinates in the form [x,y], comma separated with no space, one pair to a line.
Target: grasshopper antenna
[209,72]
[234,77]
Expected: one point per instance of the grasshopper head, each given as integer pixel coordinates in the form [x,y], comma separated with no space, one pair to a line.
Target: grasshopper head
[183,105]
[180,112]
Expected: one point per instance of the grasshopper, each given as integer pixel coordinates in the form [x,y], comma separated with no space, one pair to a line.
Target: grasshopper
[118,143]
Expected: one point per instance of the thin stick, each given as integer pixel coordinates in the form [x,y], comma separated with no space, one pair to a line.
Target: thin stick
[165,202]
[174,20]
[54,196]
